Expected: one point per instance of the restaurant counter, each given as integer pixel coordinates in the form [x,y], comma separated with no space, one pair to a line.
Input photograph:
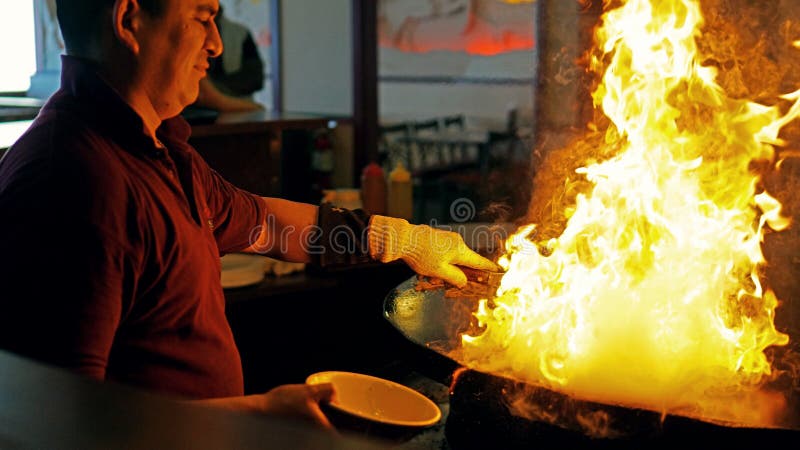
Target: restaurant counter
[291,326]
[253,150]
[257,150]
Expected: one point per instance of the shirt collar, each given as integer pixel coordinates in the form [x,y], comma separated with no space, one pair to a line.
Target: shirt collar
[103,105]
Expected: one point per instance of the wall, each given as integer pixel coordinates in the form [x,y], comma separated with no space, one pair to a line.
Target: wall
[483,88]
[49,48]
[316,44]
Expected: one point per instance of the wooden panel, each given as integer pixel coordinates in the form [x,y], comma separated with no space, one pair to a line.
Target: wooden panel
[249,161]
[365,85]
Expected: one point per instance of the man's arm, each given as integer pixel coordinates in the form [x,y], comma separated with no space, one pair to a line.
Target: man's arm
[291,230]
[287,230]
[298,401]
[211,97]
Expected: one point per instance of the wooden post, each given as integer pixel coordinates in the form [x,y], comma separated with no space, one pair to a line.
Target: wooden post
[562,94]
[365,85]
[276,80]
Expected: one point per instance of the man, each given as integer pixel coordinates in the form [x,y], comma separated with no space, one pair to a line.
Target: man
[112,225]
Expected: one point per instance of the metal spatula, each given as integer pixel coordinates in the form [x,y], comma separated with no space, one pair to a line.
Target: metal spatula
[480,283]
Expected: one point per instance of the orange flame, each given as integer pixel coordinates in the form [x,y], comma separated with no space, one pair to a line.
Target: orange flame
[651,296]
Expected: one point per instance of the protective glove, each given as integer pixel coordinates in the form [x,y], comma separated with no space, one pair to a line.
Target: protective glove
[428,251]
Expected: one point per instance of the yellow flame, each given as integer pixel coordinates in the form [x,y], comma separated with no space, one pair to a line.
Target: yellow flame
[651,296]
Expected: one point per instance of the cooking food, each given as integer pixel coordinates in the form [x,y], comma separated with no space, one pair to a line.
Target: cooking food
[480,284]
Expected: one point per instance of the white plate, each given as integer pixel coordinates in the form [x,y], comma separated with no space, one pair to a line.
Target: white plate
[239,269]
[379,400]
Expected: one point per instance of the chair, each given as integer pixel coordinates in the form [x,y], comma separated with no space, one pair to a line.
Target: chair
[505,144]
[438,154]
[466,180]
[457,123]
[393,145]
[449,171]
[427,154]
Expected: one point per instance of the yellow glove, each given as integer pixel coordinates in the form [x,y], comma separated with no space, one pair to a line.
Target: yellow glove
[428,251]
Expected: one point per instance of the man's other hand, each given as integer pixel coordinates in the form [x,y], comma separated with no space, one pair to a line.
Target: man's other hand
[299,401]
[293,401]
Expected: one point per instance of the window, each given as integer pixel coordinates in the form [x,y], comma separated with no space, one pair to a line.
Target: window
[17,45]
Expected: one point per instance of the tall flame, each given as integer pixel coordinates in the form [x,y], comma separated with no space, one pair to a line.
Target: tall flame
[651,296]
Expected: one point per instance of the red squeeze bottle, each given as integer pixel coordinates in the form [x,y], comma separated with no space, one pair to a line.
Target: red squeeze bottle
[373,189]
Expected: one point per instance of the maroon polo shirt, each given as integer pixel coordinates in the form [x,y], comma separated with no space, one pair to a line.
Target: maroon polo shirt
[110,246]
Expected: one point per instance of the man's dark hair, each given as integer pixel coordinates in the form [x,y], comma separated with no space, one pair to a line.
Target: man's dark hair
[81,21]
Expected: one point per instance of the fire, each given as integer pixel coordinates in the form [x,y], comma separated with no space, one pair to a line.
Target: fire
[651,297]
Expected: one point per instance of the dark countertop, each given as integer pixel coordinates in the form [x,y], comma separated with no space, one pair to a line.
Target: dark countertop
[19,108]
[258,121]
[271,286]
[315,279]
[381,276]
[45,407]
[332,319]
[288,327]
[224,124]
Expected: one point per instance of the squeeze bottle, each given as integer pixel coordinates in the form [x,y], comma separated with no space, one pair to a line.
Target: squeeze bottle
[373,189]
[400,202]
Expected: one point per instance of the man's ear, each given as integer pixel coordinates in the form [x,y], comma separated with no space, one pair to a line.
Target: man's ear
[127,19]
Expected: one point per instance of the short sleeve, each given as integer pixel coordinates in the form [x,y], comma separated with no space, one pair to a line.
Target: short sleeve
[236,215]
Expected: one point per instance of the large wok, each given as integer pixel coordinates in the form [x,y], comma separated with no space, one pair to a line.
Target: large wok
[480,410]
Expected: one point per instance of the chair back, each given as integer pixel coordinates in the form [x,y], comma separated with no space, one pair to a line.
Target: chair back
[393,145]
[454,122]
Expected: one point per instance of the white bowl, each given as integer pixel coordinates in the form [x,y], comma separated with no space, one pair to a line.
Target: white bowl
[378,400]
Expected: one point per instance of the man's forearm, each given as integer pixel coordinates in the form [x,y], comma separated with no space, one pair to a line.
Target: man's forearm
[293,401]
[287,230]
[242,404]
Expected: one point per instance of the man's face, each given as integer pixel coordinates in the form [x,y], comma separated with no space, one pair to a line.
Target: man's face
[175,47]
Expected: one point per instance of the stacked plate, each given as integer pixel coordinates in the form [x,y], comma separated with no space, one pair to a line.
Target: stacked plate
[239,269]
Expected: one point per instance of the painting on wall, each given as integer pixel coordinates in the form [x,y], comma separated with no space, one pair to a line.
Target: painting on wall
[477,27]
[477,58]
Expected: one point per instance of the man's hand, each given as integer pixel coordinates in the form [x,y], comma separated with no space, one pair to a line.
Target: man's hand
[297,401]
[428,251]
[300,401]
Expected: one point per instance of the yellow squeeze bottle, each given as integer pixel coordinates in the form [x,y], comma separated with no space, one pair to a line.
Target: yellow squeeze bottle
[400,201]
